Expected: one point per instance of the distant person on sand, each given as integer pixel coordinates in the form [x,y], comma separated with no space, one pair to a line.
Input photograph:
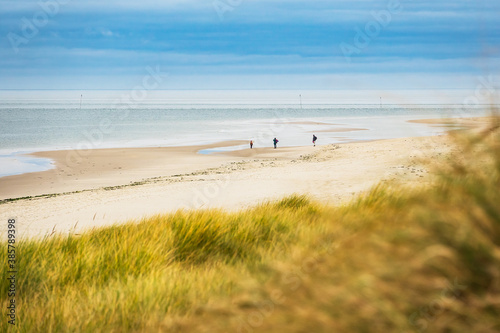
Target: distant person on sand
[275,141]
[251,144]
[314,140]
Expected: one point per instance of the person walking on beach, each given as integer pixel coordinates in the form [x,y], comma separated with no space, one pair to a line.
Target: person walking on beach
[314,140]
[251,144]
[275,141]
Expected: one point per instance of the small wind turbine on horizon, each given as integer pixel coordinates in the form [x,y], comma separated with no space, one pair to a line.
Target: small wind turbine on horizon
[81,96]
[300,97]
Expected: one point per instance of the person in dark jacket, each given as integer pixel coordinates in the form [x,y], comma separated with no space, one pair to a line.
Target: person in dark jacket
[275,141]
[314,140]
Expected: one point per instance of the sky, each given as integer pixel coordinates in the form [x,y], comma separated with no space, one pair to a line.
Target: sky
[248,44]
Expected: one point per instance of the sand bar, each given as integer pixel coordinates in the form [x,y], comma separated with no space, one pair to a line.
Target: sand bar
[472,122]
[79,170]
[339,130]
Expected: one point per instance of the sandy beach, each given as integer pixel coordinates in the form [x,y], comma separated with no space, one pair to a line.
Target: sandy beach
[111,186]
[76,170]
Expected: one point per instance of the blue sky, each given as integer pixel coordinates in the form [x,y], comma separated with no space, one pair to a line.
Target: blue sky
[255,44]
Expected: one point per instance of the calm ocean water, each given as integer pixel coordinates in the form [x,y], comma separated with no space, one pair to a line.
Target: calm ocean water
[50,120]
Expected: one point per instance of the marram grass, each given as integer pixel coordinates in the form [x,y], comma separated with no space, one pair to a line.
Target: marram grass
[393,260]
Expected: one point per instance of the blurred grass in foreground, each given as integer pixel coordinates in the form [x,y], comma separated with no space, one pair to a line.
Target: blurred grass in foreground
[400,260]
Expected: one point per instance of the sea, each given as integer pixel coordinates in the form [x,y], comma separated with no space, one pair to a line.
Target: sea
[43,120]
